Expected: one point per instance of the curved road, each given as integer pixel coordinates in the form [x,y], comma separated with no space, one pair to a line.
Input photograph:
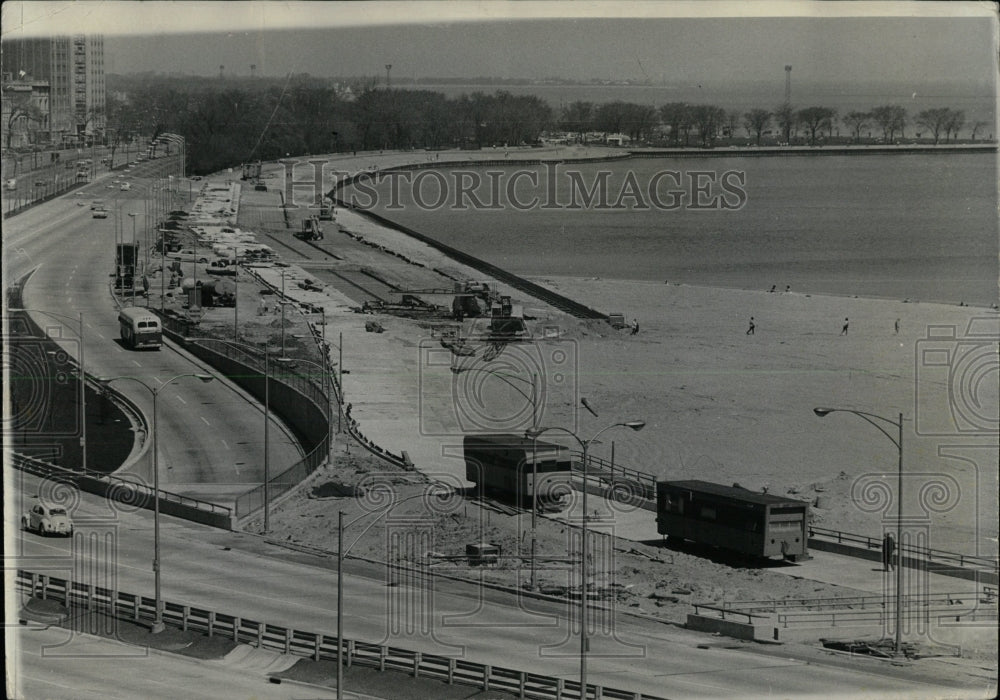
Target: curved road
[210,443]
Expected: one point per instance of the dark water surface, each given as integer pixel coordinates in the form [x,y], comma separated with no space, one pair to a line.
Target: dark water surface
[915,226]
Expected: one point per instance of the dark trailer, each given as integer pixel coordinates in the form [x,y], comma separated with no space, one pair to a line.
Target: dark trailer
[733,518]
[505,465]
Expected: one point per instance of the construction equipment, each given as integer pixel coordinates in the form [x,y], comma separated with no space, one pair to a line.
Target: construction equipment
[251,172]
[311,229]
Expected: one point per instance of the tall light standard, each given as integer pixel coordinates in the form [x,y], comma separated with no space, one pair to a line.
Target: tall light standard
[158,625]
[585,445]
[341,555]
[533,400]
[83,378]
[898,442]
[135,261]
[236,294]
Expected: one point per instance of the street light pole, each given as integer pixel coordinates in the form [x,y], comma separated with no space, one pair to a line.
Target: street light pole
[158,624]
[267,440]
[282,302]
[534,451]
[135,259]
[585,444]
[898,442]
[340,605]
[236,295]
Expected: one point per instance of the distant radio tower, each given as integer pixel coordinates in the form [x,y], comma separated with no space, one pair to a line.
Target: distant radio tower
[253,68]
[788,84]
[221,68]
[388,67]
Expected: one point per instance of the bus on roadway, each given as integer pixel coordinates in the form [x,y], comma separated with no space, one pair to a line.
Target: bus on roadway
[140,328]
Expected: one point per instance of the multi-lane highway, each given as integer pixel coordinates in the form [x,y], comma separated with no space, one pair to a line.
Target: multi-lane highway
[243,575]
[91,668]
[208,436]
[211,434]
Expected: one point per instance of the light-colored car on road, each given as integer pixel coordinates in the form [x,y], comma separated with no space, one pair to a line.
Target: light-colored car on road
[48,520]
[189,255]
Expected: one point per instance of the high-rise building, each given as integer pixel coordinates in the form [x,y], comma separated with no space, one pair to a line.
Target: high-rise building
[73,67]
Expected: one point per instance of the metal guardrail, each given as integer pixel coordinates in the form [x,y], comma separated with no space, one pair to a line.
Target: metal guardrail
[316,646]
[928,553]
[133,491]
[964,606]
[643,483]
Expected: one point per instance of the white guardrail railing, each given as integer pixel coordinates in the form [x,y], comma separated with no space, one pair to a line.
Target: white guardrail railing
[312,645]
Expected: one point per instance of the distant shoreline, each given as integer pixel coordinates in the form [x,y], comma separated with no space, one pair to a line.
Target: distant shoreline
[731,151]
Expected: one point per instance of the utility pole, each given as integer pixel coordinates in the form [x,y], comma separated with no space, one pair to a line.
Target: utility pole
[788,85]
[388,82]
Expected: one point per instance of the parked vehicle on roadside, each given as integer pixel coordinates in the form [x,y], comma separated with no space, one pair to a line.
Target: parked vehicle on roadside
[99,213]
[188,255]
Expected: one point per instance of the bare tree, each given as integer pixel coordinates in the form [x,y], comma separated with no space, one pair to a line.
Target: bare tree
[856,122]
[814,119]
[732,121]
[891,119]
[20,110]
[756,122]
[577,116]
[677,115]
[709,120]
[976,126]
[935,121]
[784,115]
[956,120]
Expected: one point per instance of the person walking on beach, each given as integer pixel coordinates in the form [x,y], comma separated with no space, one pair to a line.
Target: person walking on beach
[843,331]
[888,549]
[635,326]
[896,326]
[753,327]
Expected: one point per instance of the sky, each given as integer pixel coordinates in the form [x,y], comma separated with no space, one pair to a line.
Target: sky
[673,42]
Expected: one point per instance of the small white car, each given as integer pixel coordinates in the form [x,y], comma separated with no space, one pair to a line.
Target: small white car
[188,255]
[126,187]
[48,520]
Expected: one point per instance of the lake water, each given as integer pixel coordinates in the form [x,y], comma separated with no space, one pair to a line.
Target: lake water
[915,226]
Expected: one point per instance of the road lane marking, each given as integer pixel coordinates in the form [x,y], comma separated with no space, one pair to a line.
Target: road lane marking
[180,399]
[226,444]
[136,363]
[205,420]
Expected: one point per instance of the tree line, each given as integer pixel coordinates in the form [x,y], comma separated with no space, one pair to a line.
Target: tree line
[230,121]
